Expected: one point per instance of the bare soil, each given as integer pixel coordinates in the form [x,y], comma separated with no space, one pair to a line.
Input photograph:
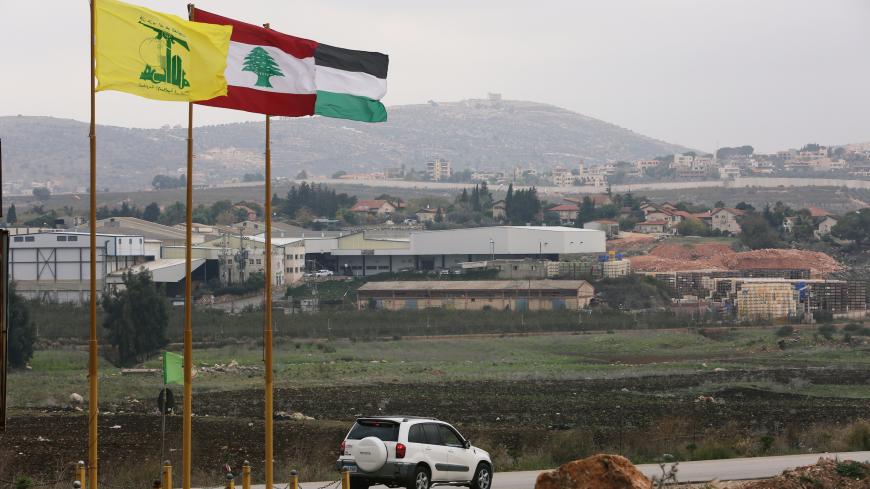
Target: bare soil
[715,256]
[640,416]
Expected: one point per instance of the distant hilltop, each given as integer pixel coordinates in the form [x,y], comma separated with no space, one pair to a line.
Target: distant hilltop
[478,133]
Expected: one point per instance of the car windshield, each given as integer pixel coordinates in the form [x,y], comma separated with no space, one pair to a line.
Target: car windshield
[385,430]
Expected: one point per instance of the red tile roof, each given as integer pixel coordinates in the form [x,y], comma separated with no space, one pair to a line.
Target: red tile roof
[818,212]
[367,205]
[565,208]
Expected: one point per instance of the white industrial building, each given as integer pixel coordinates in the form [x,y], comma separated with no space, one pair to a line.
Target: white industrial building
[232,259]
[432,250]
[56,266]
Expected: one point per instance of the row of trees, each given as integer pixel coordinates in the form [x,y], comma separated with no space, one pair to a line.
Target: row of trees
[221,212]
[308,200]
[522,206]
[165,182]
[136,322]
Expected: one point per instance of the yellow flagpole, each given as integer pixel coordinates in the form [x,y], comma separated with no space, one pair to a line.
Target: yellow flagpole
[187,444]
[267,313]
[93,347]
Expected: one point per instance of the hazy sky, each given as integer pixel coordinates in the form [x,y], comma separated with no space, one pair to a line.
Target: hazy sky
[771,73]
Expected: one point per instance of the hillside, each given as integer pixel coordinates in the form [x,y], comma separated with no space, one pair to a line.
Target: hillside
[471,133]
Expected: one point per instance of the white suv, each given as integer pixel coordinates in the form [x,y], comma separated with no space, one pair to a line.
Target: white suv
[404,451]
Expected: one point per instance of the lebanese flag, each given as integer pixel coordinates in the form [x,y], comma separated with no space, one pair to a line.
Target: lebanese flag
[277,74]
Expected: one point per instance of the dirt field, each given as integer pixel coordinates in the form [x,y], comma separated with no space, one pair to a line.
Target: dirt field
[521,422]
[534,402]
[712,256]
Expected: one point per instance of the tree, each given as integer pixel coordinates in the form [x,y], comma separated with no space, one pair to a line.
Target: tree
[756,233]
[163,182]
[524,206]
[173,214]
[854,226]
[692,227]
[42,193]
[586,212]
[253,177]
[302,175]
[21,335]
[743,206]
[260,62]
[137,317]
[152,212]
[11,215]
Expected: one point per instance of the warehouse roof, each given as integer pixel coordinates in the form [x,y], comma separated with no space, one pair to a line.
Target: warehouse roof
[164,270]
[442,285]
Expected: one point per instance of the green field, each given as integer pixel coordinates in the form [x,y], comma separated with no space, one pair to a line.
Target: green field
[57,372]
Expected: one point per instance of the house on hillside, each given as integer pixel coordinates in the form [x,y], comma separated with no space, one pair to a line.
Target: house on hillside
[499,210]
[652,227]
[374,207]
[426,215]
[823,228]
[725,220]
[567,212]
[609,226]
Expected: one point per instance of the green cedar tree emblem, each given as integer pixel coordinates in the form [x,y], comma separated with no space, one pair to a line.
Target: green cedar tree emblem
[258,61]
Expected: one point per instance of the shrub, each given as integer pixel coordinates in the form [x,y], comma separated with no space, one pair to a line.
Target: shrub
[766,442]
[858,437]
[713,451]
[827,331]
[23,482]
[851,469]
[785,331]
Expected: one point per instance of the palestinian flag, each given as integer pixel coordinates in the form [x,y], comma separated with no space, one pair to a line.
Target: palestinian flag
[277,74]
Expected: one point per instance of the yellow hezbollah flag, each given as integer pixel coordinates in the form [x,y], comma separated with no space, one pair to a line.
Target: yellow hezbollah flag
[159,56]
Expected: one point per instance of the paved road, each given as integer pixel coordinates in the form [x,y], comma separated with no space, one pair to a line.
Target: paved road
[700,471]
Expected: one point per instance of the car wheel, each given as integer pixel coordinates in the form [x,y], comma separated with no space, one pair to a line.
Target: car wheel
[421,480]
[358,483]
[482,477]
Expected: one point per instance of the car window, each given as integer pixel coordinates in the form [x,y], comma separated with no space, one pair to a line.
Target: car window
[385,430]
[417,435]
[449,437]
[432,434]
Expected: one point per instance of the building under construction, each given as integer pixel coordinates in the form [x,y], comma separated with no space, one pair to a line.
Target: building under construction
[700,283]
[779,298]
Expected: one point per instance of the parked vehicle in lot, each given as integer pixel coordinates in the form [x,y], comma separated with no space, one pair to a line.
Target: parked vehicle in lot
[405,451]
[324,273]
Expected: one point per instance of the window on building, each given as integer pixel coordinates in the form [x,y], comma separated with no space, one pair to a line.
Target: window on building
[18,239]
[29,239]
[251,261]
[131,241]
[72,238]
[61,238]
[259,261]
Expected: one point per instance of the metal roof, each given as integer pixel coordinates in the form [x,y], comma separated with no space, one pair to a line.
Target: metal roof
[474,285]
